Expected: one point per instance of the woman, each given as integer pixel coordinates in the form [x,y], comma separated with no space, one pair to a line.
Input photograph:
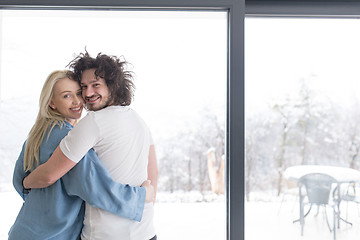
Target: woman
[57,212]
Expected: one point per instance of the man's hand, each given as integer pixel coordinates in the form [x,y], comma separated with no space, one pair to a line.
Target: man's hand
[150,192]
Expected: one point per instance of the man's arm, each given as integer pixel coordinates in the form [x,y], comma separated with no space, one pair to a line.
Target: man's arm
[153,171]
[48,173]
[90,181]
[71,149]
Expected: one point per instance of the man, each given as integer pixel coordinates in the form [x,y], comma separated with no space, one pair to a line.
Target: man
[119,136]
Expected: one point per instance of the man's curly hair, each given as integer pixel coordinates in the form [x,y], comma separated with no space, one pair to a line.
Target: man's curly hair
[112,69]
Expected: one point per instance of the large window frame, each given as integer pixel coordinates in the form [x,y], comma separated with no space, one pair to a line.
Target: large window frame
[235,80]
[303,8]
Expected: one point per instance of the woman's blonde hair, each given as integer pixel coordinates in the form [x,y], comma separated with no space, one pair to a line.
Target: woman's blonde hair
[47,119]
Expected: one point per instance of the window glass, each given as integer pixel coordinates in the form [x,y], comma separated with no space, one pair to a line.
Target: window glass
[180,63]
[302,109]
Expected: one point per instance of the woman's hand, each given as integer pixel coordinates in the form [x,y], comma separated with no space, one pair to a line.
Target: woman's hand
[150,192]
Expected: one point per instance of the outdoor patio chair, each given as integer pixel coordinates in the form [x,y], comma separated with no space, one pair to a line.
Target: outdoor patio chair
[351,195]
[289,188]
[318,187]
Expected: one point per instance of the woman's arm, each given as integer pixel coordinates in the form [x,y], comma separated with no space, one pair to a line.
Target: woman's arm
[19,175]
[51,171]
[90,181]
[153,171]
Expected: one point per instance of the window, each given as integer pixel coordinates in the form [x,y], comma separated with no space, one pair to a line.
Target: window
[180,62]
[301,69]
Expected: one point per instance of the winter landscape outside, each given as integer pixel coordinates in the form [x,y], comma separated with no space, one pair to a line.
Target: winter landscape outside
[179,59]
[302,108]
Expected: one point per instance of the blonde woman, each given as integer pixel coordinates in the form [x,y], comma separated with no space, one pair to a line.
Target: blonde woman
[57,212]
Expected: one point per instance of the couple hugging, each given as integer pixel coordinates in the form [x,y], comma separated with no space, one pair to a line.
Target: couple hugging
[90,179]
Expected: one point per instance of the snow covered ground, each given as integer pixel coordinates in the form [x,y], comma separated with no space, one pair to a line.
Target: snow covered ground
[176,217]
[267,220]
[179,216]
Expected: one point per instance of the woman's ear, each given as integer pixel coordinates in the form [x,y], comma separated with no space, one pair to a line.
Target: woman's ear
[52,105]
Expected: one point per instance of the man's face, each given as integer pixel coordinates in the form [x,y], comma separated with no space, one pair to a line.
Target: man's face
[94,91]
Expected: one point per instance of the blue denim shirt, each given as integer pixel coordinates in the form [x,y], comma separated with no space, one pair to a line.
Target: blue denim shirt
[57,212]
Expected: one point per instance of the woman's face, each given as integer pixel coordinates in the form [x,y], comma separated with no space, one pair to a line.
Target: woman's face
[67,99]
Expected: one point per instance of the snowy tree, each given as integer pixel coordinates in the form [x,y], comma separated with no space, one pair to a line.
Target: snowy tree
[182,157]
[348,135]
[284,110]
[259,148]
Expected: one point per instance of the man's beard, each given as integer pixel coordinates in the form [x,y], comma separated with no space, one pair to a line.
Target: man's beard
[107,103]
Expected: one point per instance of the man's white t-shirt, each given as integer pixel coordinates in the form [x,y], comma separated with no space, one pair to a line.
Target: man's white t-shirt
[121,139]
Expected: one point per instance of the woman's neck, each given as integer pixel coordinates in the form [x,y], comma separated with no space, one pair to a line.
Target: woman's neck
[71,121]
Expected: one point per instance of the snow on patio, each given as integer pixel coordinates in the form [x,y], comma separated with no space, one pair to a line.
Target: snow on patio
[266,220]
